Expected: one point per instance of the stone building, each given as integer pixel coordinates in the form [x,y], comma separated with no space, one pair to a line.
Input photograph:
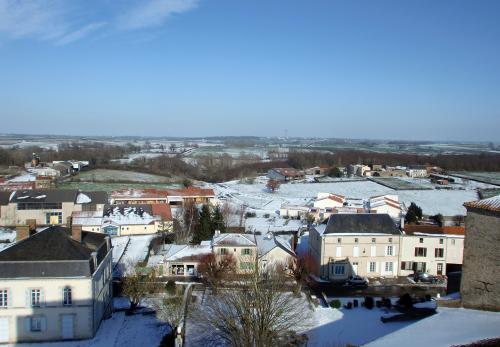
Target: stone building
[480,287]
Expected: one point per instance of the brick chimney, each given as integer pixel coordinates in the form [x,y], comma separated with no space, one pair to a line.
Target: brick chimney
[76,233]
[23,232]
[31,223]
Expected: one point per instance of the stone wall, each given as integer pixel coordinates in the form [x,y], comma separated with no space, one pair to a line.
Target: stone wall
[480,287]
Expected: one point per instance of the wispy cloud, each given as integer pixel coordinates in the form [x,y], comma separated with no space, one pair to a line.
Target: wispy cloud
[62,22]
[80,33]
[153,13]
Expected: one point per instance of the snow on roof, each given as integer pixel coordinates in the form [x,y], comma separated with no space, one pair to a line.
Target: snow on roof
[186,252]
[87,218]
[450,326]
[490,204]
[83,199]
[128,215]
[267,242]
[233,239]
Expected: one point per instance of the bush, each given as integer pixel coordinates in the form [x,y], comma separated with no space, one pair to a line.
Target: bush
[286,217]
[250,214]
[369,302]
[406,301]
[335,303]
[266,215]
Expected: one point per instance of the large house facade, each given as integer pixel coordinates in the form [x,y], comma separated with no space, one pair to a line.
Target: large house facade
[54,285]
[355,244]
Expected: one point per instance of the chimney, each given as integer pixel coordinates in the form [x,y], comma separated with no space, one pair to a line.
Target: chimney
[217,232]
[76,233]
[23,232]
[31,223]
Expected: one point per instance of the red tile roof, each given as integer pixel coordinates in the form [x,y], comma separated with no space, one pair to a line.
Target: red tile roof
[434,229]
[490,204]
[162,210]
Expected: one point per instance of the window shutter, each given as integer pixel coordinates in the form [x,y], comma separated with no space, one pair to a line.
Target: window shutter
[27,324]
[368,267]
[42,297]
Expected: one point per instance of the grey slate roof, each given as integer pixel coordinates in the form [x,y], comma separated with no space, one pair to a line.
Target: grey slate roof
[53,253]
[361,223]
[45,195]
[98,197]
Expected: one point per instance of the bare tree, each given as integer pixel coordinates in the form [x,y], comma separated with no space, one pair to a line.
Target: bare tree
[259,313]
[273,185]
[170,309]
[299,268]
[214,269]
[137,285]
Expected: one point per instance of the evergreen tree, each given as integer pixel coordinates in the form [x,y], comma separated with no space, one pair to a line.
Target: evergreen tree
[218,220]
[205,230]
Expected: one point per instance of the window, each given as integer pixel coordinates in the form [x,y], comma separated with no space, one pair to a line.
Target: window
[339,240]
[419,266]
[388,266]
[355,240]
[339,269]
[36,324]
[439,252]
[3,298]
[35,297]
[390,239]
[223,251]
[373,266]
[53,218]
[441,241]
[421,240]
[389,250]
[374,240]
[406,265]
[420,252]
[67,298]
[246,251]
[373,251]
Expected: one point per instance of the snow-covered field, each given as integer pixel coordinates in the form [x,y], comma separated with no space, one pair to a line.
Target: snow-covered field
[104,175]
[257,197]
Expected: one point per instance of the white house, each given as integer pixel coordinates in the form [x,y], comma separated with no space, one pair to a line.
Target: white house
[54,285]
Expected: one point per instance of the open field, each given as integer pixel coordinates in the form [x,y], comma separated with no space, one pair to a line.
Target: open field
[257,197]
[104,175]
[485,177]
[108,187]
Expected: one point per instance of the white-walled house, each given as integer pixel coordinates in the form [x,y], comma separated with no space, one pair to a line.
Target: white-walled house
[432,249]
[274,250]
[55,285]
[355,244]
[388,204]
[124,220]
[47,206]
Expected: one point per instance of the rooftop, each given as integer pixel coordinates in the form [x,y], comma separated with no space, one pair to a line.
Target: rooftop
[361,223]
[490,204]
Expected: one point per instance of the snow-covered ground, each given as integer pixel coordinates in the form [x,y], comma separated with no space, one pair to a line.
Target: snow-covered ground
[450,326]
[120,330]
[136,250]
[357,326]
[257,197]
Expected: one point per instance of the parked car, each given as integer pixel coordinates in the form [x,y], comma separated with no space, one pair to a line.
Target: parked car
[424,278]
[357,281]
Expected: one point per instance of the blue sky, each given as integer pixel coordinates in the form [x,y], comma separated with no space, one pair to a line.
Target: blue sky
[425,69]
